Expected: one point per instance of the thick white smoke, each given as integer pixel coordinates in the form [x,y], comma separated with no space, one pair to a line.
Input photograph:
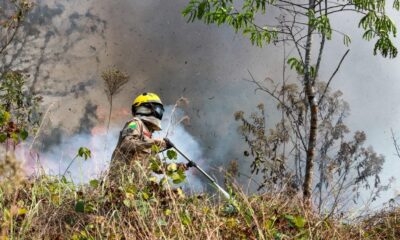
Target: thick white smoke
[57,158]
[182,139]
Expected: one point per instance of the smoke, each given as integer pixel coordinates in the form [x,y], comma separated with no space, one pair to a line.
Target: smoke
[174,129]
[66,45]
[56,160]
[161,53]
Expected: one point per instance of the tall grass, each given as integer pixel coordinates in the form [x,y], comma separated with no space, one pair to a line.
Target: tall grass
[137,206]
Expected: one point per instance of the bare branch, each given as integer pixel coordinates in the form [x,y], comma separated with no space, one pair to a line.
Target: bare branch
[395,143]
[295,127]
[333,75]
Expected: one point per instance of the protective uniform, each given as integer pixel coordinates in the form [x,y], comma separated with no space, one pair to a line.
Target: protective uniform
[135,141]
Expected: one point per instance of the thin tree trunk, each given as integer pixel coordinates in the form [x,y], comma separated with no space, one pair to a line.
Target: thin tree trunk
[310,94]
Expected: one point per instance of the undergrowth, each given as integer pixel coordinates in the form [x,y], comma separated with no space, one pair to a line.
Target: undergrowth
[140,206]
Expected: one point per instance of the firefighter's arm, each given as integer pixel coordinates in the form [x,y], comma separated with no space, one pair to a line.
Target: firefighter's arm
[132,139]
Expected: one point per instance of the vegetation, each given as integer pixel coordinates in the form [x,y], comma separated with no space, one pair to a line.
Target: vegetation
[13,14]
[346,167]
[143,207]
[295,24]
[114,79]
[19,114]
[146,201]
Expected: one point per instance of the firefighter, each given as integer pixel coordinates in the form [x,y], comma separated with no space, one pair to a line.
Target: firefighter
[135,140]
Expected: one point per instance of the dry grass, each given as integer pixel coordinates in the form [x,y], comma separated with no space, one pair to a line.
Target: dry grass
[114,80]
[138,208]
[382,225]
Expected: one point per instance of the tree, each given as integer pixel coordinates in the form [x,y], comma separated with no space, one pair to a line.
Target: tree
[19,114]
[345,165]
[297,24]
[13,14]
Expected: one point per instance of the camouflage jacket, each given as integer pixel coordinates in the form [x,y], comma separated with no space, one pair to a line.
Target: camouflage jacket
[134,144]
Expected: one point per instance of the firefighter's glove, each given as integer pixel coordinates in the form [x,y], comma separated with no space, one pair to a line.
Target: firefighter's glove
[168,143]
[182,166]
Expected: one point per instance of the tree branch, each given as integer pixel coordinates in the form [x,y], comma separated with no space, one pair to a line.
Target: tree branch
[395,143]
[8,42]
[333,75]
[262,88]
[321,48]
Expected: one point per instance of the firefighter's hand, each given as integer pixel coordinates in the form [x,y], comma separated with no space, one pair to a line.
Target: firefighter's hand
[183,166]
[168,143]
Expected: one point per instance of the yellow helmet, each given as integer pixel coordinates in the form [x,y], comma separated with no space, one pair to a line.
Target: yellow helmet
[146,98]
[148,104]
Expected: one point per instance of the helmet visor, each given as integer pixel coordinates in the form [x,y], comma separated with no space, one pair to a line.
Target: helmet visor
[158,111]
[149,109]
[142,110]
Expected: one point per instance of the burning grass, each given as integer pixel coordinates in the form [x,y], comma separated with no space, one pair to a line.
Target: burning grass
[137,207]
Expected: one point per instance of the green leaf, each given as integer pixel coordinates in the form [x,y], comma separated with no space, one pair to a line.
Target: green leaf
[163,181]
[155,149]
[155,165]
[15,137]
[178,177]
[313,72]
[269,224]
[180,193]
[172,155]
[296,64]
[64,180]
[90,208]
[94,183]
[80,207]
[3,137]
[167,212]
[6,214]
[84,152]
[296,221]
[185,218]
[131,189]
[299,221]
[23,134]
[145,196]
[4,117]
[396,5]
[346,40]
